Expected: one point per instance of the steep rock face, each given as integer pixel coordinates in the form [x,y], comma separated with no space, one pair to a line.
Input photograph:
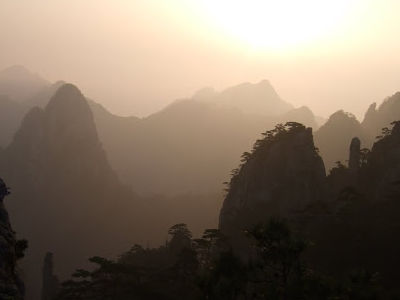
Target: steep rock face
[371,119]
[334,137]
[64,186]
[284,173]
[377,118]
[381,177]
[50,282]
[58,140]
[11,286]
[355,154]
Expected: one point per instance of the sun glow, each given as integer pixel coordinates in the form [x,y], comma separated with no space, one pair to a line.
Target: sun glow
[277,23]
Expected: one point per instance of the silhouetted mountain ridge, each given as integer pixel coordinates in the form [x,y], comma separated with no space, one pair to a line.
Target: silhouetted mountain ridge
[18,83]
[64,184]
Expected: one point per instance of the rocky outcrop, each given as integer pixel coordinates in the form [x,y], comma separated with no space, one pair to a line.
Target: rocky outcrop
[11,286]
[50,282]
[354,208]
[282,175]
[381,177]
[380,117]
[334,137]
[355,154]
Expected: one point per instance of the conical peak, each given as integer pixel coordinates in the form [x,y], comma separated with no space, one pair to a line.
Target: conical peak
[66,92]
[68,99]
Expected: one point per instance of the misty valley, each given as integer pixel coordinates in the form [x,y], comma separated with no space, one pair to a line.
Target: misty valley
[233,194]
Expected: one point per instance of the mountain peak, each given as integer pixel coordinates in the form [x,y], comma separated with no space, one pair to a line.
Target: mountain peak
[264,82]
[341,115]
[255,98]
[19,83]
[68,99]
[68,90]
[19,72]
[16,70]
[285,156]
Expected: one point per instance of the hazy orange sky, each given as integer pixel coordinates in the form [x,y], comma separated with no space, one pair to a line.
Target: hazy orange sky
[136,56]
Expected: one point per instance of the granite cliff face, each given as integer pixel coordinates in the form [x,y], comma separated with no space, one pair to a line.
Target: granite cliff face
[283,174]
[381,176]
[355,208]
[11,286]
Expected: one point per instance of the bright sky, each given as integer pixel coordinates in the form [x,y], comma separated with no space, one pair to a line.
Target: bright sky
[136,56]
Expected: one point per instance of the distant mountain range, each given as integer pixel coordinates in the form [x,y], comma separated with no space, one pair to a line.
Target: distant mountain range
[76,170]
[212,129]
[20,84]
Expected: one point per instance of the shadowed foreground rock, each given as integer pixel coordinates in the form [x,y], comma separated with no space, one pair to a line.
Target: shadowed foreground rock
[286,157]
[11,286]
[50,281]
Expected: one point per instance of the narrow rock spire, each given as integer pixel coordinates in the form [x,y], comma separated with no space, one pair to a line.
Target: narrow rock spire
[355,154]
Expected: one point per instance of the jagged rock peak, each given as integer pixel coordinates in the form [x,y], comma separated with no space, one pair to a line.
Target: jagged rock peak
[283,173]
[371,110]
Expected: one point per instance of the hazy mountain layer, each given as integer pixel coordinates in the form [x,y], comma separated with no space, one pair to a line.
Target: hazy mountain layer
[191,145]
[260,98]
[19,84]
[11,114]
[188,147]
[63,184]
[334,137]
